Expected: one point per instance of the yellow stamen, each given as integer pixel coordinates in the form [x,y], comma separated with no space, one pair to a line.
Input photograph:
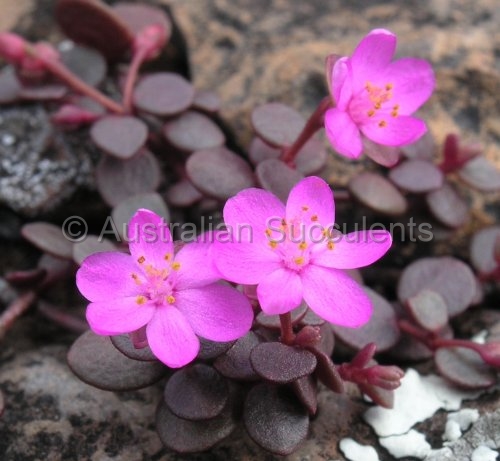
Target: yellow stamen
[268,232]
[389,86]
[176,266]
[330,245]
[302,246]
[305,208]
[136,279]
[371,113]
[314,217]
[168,256]
[299,260]
[283,222]
[170,299]
[377,105]
[141,260]
[382,123]
[140,300]
[273,244]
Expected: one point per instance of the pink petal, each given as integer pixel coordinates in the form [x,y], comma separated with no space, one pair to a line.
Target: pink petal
[342,83]
[150,240]
[310,208]
[108,275]
[248,213]
[216,312]
[350,251]
[343,133]
[245,262]
[372,55]
[413,83]
[118,316]
[196,266]
[398,131]
[171,338]
[280,292]
[335,297]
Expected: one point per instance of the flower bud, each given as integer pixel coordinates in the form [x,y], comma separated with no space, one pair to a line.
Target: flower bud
[12,47]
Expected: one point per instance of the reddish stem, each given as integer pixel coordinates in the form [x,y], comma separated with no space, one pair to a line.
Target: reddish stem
[133,71]
[287,334]
[314,123]
[15,310]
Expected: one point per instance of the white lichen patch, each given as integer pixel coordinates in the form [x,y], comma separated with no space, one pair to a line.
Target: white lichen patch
[417,399]
[459,421]
[354,451]
[484,453]
[412,443]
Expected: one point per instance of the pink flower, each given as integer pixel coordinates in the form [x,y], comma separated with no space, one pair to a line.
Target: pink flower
[291,254]
[375,97]
[174,295]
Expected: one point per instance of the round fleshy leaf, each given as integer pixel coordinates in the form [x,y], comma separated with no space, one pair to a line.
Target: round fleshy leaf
[219,172]
[210,350]
[381,329]
[9,85]
[274,419]
[193,131]
[49,92]
[49,238]
[312,319]
[377,193]
[92,244]
[277,124]
[386,156]
[277,177]
[424,148]
[464,368]
[327,373]
[185,436]
[123,212]
[121,136]
[481,174]
[311,158]
[417,176]
[280,363]
[97,362]
[307,392]
[482,249]
[183,194]
[163,94]
[125,345]
[56,268]
[327,342]
[197,392]
[260,151]
[118,180]
[94,24]
[235,363]
[429,310]
[138,16]
[206,101]
[447,206]
[447,276]
[89,65]
[273,321]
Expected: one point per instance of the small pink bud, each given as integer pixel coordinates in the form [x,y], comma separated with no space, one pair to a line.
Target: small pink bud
[386,377]
[71,115]
[364,356]
[33,66]
[151,40]
[309,336]
[490,353]
[12,47]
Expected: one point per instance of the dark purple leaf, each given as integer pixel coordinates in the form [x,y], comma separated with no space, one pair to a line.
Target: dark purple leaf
[118,135]
[277,124]
[260,151]
[326,372]
[376,192]
[386,156]
[97,362]
[197,392]
[206,101]
[92,244]
[118,180]
[219,172]
[429,310]
[46,92]
[447,206]
[163,94]
[235,363]
[183,194]
[193,131]
[306,391]
[274,419]
[94,24]
[282,364]
[464,367]
[311,158]
[417,176]
[482,249]
[277,177]
[210,350]
[9,85]
[424,148]
[89,65]
[56,268]
[138,16]
[185,436]
[382,397]
[125,345]
[123,212]
[449,277]
[273,321]
[481,174]
[381,329]
[48,237]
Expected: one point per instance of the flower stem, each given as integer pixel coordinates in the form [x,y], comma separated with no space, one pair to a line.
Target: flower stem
[15,310]
[132,73]
[287,334]
[314,123]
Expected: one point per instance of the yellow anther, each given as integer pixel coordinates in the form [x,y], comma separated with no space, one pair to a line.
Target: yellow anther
[314,217]
[330,245]
[273,244]
[168,256]
[268,232]
[389,86]
[305,208]
[377,105]
[302,246]
[382,123]
[140,299]
[283,222]
[299,260]
[170,299]
[176,266]
[141,260]
[394,113]
[136,279]
[370,113]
